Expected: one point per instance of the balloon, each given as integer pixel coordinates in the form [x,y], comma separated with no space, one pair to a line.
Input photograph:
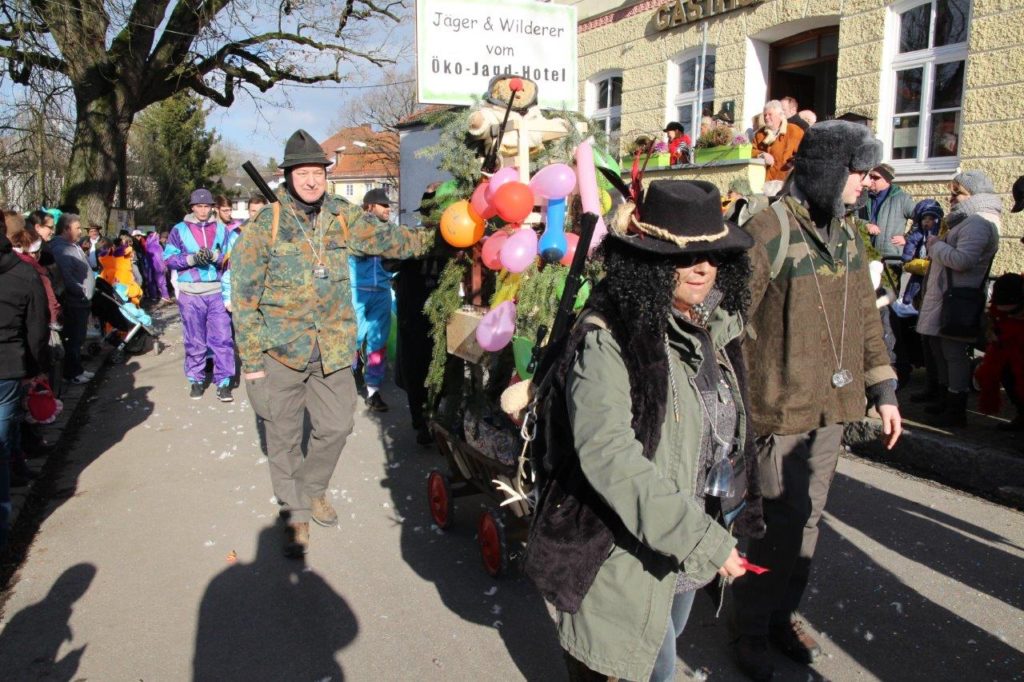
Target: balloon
[497,326]
[555,181]
[461,226]
[491,253]
[520,250]
[553,243]
[503,176]
[582,294]
[480,203]
[513,201]
[572,241]
[522,351]
[446,193]
[606,202]
[587,176]
[603,159]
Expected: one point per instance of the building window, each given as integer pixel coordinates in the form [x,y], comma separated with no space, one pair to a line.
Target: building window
[604,104]
[349,190]
[690,95]
[926,87]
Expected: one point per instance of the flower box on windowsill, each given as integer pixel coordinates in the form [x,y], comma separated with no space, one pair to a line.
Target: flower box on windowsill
[659,160]
[723,153]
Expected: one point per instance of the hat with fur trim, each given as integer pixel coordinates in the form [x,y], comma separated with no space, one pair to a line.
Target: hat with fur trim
[677,217]
[828,153]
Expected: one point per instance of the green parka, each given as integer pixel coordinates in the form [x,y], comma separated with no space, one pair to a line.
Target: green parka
[622,620]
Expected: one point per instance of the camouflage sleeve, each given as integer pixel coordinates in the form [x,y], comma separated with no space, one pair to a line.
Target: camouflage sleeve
[766,231]
[249,258]
[373,238]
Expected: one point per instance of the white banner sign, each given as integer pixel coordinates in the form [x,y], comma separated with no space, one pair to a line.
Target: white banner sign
[462,44]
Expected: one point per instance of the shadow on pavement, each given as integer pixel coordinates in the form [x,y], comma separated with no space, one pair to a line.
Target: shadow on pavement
[31,639]
[272,619]
[451,560]
[111,407]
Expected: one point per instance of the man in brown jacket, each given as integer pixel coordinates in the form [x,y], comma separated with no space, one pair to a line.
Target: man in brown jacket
[814,348]
[776,142]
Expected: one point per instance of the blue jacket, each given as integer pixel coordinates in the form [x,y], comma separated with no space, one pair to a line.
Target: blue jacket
[916,238]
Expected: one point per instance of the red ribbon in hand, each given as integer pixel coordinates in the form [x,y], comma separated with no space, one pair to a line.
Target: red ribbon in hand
[753,568]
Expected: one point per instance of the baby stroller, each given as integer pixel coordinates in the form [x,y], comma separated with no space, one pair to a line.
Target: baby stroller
[131,327]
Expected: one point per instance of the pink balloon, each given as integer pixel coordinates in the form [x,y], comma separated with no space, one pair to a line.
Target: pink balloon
[480,203]
[555,181]
[491,253]
[520,250]
[497,327]
[509,174]
[590,197]
[570,251]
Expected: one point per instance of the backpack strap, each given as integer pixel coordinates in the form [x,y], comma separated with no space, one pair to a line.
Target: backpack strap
[343,224]
[275,221]
[784,229]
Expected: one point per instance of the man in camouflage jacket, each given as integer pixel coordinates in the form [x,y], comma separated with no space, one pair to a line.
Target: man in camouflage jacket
[296,328]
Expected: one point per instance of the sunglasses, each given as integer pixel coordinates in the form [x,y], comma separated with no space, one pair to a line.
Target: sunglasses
[688,260]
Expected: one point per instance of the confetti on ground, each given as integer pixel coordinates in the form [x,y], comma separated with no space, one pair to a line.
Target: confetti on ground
[232,557]
[491,592]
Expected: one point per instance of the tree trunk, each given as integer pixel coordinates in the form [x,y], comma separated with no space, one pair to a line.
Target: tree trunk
[97,155]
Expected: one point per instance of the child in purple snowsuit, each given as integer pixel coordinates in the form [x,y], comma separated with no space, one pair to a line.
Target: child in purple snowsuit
[156,282]
[195,249]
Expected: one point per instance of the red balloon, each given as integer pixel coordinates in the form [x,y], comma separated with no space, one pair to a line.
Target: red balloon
[479,201]
[513,201]
[570,250]
[491,252]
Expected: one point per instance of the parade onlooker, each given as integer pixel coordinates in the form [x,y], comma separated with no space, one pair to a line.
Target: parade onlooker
[28,248]
[924,224]
[814,347]
[808,117]
[887,211]
[23,353]
[961,256]
[650,390]
[776,142]
[79,285]
[415,281]
[296,327]
[678,142]
[223,206]
[743,203]
[94,234]
[791,109]
[1003,364]
[156,283]
[371,298]
[195,249]
[255,205]
[116,266]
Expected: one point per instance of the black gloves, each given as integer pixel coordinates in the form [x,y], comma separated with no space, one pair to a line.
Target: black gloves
[204,257]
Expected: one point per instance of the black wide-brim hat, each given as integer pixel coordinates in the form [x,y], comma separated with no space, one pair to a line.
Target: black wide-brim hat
[679,217]
[302,149]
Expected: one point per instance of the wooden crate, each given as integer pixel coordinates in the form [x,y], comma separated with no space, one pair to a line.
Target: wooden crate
[461,333]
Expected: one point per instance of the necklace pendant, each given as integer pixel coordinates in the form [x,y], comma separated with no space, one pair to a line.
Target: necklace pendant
[842,377]
[320,271]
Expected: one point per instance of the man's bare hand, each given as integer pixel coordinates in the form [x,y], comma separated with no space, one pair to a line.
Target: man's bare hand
[899,240]
[874,229]
[892,424]
[733,566]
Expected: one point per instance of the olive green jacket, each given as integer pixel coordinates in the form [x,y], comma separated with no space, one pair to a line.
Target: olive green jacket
[622,621]
[278,305]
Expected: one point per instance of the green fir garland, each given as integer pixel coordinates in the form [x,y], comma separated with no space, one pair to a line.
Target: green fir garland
[439,308]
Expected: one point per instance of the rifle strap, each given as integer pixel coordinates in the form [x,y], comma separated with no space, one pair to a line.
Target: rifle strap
[276,221]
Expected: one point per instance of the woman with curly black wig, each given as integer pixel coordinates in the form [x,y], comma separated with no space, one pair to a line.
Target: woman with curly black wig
[653,386]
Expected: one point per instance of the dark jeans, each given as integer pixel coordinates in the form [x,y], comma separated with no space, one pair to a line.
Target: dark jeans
[415,345]
[76,324]
[796,473]
[10,416]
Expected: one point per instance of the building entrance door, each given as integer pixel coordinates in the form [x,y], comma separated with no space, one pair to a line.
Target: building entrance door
[804,67]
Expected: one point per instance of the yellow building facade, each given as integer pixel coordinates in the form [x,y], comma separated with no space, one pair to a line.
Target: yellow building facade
[942,80]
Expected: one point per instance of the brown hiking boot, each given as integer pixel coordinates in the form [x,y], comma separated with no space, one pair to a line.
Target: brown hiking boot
[297,541]
[754,659]
[793,640]
[323,512]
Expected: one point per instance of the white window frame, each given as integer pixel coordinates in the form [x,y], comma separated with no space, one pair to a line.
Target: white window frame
[675,100]
[350,189]
[922,167]
[603,115]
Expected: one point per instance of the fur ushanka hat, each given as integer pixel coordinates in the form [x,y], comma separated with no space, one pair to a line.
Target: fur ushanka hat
[827,154]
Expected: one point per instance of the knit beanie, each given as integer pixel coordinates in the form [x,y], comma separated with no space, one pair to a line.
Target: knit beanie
[828,153]
[885,170]
[975,182]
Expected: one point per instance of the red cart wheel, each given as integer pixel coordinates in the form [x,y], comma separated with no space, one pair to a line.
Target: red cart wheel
[439,497]
[490,533]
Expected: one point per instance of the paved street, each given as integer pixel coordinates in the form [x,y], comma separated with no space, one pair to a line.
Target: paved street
[158,559]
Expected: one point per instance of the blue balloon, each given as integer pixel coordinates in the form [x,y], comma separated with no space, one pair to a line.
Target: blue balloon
[553,243]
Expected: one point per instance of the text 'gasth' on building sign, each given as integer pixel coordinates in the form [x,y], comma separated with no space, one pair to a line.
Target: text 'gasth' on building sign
[679,12]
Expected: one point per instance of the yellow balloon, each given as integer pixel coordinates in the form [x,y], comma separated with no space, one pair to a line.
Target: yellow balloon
[461,226]
[606,201]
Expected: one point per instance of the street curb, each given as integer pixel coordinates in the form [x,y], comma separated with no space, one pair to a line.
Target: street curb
[942,457]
